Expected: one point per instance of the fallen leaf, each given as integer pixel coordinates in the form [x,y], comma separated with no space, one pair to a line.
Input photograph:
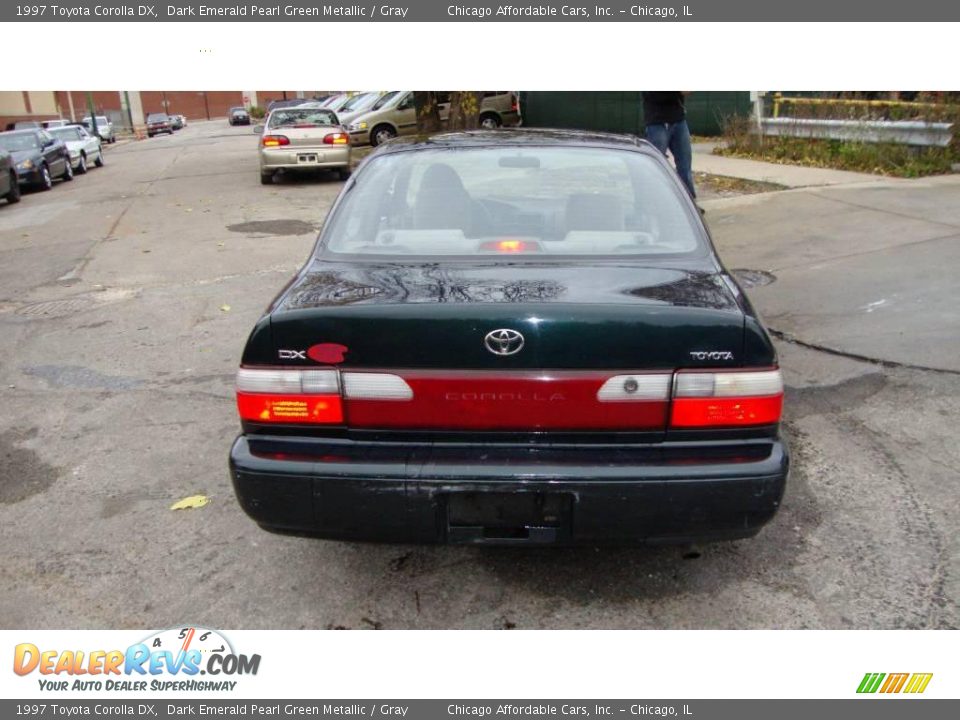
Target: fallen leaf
[224,308]
[194,501]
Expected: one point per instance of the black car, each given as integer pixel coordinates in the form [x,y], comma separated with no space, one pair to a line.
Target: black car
[38,157]
[238,116]
[9,185]
[159,123]
[513,337]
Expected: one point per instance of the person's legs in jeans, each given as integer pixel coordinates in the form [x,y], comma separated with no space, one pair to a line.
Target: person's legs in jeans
[679,143]
[659,136]
[676,137]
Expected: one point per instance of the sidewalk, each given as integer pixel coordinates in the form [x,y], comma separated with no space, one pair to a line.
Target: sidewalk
[791,176]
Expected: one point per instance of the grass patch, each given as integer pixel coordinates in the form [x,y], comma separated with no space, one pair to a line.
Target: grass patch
[877,158]
[741,140]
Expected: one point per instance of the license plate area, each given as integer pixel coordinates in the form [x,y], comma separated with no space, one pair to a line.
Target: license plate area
[308,158]
[508,518]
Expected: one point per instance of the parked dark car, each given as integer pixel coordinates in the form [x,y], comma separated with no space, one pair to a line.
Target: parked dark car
[238,116]
[39,158]
[9,186]
[511,337]
[159,123]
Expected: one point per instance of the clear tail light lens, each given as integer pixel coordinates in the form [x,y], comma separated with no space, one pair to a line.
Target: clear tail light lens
[375,386]
[633,388]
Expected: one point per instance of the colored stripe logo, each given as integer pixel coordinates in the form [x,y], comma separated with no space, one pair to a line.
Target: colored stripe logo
[913,683]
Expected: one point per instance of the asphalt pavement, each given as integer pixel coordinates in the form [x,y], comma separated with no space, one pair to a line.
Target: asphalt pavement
[125,300]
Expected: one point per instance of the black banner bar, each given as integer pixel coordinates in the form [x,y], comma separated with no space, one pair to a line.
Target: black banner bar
[483,11]
[867,708]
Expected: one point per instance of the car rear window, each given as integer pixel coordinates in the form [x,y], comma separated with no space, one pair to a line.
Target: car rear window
[536,201]
[302,117]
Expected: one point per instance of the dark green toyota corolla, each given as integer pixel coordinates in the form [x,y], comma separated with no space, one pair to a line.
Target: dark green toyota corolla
[511,337]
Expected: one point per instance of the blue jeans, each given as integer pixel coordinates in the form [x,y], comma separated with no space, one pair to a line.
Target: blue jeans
[676,138]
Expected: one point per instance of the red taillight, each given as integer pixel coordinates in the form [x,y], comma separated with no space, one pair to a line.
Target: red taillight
[311,409]
[726,399]
[336,139]
[275,140]
[289,396]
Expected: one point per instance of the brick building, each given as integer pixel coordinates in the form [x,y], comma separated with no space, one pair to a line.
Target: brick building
[194,104]
[19,105]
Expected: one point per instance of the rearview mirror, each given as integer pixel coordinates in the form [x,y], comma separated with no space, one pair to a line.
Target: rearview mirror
[258,129]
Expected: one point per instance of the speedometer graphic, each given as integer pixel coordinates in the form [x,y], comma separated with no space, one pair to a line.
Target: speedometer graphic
[183,639]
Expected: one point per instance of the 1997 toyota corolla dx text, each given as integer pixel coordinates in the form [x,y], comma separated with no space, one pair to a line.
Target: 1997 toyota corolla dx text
[511,337]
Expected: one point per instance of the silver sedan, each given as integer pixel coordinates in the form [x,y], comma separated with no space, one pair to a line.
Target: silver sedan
[84,148]
[297,139]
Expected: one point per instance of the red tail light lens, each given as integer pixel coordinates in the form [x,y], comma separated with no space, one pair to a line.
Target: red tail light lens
[336,139]
[726,399]
[275,140]
[289,396]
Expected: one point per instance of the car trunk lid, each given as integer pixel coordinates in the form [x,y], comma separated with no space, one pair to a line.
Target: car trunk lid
[504,348]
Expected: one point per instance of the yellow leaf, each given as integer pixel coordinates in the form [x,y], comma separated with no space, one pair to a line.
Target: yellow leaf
[194,501]
[225,308]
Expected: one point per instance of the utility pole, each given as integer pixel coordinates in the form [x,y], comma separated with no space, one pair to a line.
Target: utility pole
[126,98]
[93,113]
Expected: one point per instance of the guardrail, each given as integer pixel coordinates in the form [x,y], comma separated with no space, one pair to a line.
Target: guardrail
[781,100]
[903,132]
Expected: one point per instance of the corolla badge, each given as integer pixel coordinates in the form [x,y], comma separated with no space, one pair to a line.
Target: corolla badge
[503,341]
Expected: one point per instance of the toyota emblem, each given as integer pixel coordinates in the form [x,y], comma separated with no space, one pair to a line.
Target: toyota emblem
[504,341]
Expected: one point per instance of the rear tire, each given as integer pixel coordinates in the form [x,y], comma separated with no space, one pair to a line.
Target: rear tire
[68,171]
[381,133]
[82,167]
[343,173]
[489,121]
[266,178]
[14,195]
[100,162]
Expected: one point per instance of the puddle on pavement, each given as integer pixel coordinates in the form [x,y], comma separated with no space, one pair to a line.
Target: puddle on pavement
[273,227]
[22,473]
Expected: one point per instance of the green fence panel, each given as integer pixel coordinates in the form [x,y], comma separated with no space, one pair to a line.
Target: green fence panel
[622,112]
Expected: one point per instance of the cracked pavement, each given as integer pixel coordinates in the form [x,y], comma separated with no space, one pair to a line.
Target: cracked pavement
[125,299]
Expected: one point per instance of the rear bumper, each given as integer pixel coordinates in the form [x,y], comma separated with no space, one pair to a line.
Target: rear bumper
[515,495]
[288,158]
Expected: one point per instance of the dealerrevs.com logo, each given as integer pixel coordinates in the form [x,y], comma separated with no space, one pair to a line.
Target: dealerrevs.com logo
[891,683]
[178,659]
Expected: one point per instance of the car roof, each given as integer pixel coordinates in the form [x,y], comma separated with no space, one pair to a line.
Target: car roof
[22,131]
[517,137]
